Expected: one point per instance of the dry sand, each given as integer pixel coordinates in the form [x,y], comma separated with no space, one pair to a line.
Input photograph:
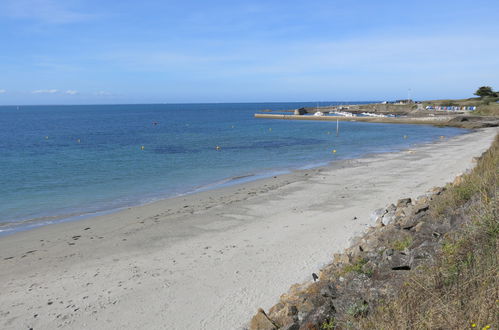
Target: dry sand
[209,260]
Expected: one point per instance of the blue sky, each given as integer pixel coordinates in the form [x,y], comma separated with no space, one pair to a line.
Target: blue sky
[152,51]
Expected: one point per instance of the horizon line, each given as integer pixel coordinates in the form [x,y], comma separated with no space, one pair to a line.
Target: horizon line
[164,103]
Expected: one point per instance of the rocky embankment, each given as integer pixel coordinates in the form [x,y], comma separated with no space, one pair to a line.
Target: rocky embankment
[473,122]
[404,237]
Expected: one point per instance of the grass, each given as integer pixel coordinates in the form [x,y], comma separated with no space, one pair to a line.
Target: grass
[329,325]
[358,266]
[461,289]
[402,244]
[358,309]
[490,109]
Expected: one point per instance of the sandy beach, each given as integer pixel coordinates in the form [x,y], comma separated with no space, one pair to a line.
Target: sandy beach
[209,260]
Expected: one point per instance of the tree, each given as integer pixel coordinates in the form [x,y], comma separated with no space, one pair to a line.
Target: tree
[485,91]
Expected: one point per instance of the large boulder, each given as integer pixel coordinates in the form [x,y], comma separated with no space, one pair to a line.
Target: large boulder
[403,202]
[262,322]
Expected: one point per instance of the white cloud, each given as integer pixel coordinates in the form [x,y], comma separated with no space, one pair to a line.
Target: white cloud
[72,92]
[3,91]
[45,91]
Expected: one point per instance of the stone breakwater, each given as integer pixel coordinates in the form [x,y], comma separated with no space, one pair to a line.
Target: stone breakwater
[404,237]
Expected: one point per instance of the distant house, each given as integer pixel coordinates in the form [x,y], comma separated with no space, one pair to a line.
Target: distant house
[407,101]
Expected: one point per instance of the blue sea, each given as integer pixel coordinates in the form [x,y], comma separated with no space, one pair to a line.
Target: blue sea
[65,162]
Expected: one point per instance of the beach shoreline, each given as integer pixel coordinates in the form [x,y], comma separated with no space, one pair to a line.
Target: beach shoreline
[209,259]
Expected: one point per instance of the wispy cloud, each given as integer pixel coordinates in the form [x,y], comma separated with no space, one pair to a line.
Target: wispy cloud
[103,93]
[364,55]
[3,91]
[72,92]
[45,91]
[43,11]
[154,59]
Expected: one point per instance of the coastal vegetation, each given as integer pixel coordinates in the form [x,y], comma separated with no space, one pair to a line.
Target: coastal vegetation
[431,263]
[460,289]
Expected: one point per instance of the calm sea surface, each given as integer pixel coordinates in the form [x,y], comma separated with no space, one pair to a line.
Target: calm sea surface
[61,162]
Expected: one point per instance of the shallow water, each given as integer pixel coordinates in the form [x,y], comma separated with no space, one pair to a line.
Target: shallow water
[64,161]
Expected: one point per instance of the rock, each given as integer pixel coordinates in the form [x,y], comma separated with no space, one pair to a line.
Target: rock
[367,245]
[318,316]
[292,326]
[419,226]
[400,213]
[424,199]
[387,254]
[377,214]
[421,208]
[284,314]
[388,218]
[328,292]
[298,302]
[391,208]
[292,296]
[262,322]
[384,217]
[437,190]
[341,258]
[403,202]
[292,310]
[401,261]
[408,222]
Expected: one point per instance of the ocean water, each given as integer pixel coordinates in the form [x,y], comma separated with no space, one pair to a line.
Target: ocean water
[64,162]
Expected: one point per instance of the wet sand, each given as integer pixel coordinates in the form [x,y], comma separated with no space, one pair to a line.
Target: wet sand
[209,260]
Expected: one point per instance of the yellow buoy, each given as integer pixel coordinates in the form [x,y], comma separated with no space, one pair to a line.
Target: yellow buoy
[334,151]
[405,136]
[442,137]
[142,147]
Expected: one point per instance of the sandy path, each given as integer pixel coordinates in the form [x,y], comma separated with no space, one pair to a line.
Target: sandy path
[209,260]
